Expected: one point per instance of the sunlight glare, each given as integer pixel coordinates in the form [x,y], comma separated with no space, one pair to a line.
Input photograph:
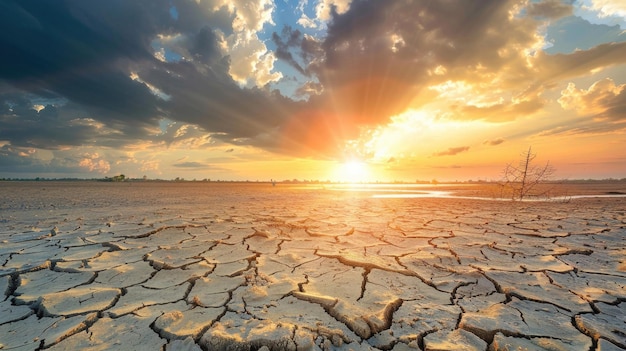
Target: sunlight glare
[353,171]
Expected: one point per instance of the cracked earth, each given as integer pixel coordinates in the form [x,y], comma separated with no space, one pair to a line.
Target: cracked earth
[123,266]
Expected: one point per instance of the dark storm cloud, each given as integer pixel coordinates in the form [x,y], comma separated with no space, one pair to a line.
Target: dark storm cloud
[13,159]
[204,45]
[23,126]
[23,162]
[213,101]
[79,50]
[54,127]
[84,52]
[192,17]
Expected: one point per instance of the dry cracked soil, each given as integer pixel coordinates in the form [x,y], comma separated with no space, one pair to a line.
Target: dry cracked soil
[123,267]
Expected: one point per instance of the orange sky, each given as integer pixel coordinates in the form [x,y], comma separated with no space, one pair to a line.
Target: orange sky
[340,90]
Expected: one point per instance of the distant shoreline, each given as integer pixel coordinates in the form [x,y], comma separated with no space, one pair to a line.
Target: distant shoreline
[296,181]
[564,189]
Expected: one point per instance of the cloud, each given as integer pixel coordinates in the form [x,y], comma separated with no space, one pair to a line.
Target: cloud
[306,22]
[192,164]
[24,162]
[69,54]
[250,60]
[380,58]
[600,109]
[196,166]
[150,166]
[105,71]
[102,70]
[288,38]
[500,112]
[308,89]
[549,9]
[583,126]
[93,162]
[325,8]
[185,136]
[494,142]
[15,158]
[452,151]
[609,8]
[603,100]
[582,62]
[55,127]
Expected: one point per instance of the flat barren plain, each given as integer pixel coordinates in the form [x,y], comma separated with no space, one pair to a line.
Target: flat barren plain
[251,266]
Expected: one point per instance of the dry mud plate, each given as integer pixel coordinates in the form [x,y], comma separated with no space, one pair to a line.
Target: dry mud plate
[224,267]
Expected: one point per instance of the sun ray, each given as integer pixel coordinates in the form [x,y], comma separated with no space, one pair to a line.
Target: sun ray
[353,171]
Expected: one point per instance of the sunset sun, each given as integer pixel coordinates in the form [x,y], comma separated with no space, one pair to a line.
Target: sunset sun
[353,171]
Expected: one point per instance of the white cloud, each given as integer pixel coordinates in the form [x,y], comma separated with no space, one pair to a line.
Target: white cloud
[186,137]
[181,131]
[608,8]
[150,165]
[307,22]
[94,163]
[609,12]
[323,11]
[600,96]
[252,15]
[251,62]
[323,8]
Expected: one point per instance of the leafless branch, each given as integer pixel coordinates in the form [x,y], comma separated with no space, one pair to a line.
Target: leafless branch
[523,180]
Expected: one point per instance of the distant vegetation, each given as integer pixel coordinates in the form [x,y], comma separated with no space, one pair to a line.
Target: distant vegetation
[512,183]
[117,178]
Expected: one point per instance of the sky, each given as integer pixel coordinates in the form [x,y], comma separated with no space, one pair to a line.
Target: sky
[340,90]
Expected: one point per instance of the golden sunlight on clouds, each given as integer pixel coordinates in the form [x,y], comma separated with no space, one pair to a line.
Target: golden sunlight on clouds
[421,134]
[595,100]
[340,90]
[609,7]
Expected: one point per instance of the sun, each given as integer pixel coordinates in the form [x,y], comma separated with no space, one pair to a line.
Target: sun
[353,171]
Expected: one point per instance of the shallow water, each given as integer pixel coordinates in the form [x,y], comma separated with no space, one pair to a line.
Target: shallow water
[559,193]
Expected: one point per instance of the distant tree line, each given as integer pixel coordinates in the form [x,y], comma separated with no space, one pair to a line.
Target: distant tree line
[117,178]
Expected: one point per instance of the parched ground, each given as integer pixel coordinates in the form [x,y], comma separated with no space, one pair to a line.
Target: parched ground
[227,267]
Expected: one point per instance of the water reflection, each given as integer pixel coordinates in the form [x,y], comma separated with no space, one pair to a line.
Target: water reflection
[455,191]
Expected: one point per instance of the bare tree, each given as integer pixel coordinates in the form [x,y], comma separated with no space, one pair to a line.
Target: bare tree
[524,179]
